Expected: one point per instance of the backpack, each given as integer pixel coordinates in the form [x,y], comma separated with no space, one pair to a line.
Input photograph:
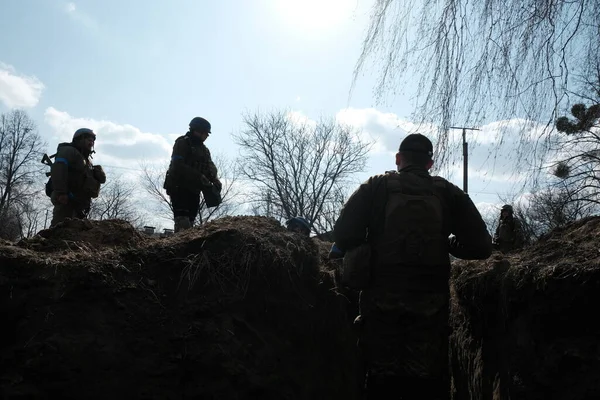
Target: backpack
[411,228]
[49,187]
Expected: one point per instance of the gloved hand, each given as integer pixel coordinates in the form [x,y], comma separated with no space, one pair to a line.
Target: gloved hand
[336,253]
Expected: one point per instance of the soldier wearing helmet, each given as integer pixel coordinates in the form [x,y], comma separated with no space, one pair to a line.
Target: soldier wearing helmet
[192,171]
[75,181]
[509,234]
[299,225]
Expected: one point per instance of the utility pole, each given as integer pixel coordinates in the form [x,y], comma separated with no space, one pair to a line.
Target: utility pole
[465,155]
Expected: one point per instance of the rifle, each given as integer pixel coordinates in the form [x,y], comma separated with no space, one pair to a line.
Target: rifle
[47,161]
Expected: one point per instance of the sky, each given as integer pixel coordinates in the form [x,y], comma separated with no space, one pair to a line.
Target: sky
[138,71]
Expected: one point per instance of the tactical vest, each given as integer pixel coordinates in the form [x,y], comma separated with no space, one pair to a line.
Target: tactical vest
[197,156]
[506,231]
[412,228]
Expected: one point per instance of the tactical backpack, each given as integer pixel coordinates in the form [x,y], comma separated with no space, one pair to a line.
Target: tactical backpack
[412,225]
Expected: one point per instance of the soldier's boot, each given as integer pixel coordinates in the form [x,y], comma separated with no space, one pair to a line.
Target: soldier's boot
[182,223]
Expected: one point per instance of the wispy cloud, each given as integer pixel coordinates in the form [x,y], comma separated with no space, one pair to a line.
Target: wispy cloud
[80,16]
[18,91]
[123,145]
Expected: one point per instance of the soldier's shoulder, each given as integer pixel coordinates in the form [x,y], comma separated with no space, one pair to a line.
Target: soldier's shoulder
[67,150]
[182,138]
[445,184]
[374,179]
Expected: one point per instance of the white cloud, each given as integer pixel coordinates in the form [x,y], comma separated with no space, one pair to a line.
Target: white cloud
[385,130]
[80,16]
[18,91]
[117,144]
[298,118]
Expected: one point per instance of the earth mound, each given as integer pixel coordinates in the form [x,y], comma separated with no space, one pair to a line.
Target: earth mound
[524,323]
[239,308]
[84,235]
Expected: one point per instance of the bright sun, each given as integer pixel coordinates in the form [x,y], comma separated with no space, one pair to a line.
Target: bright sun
[315,15]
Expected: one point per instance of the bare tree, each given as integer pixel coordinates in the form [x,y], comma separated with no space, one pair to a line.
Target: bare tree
[484,60]
[116,201]
[552,207]
[578,152]
[31,216]
[301,166]
[20,167]
[153,178]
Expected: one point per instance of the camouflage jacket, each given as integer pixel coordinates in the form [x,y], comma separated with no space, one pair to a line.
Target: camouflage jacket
[74,174]
[509,233]
[191,166]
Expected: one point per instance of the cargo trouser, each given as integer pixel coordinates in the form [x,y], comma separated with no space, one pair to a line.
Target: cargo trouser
[186,205]
[63,211]
[403,341]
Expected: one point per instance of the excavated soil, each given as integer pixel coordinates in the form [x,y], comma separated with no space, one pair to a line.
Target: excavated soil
[236,309]
[524,324]
[242,309]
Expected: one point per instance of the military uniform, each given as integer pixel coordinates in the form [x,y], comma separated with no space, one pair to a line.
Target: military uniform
[190,172]
[405,218]
[509,234]
[73,175]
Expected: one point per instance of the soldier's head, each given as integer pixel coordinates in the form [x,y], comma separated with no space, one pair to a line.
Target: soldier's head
[506,211]
[200,128]
[415,149]
[299,225]
[84,139]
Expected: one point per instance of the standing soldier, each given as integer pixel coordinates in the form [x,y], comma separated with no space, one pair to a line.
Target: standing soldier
[509,234]
[74,181]
[192,171]
[394,231]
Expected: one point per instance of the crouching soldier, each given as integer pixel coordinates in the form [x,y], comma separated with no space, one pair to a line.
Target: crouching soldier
[74,181]
[192,171]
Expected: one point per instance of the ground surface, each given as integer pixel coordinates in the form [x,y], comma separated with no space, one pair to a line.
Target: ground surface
[242,309]
[237,309]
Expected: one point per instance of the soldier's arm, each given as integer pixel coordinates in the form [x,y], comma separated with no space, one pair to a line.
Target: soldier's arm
[60,169]
[350,229]
[472,240]
[186,172]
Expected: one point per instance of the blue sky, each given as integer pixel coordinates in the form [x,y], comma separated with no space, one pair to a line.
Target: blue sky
[138,71]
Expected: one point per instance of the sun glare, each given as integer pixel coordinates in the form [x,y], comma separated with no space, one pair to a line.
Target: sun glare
[315,15]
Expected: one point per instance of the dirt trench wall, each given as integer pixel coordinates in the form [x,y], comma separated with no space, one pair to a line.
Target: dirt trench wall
[237,309]
[525,325]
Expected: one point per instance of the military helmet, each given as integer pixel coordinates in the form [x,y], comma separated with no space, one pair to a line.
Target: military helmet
[200,124]
[507,207]
[83,132]
[298,221]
